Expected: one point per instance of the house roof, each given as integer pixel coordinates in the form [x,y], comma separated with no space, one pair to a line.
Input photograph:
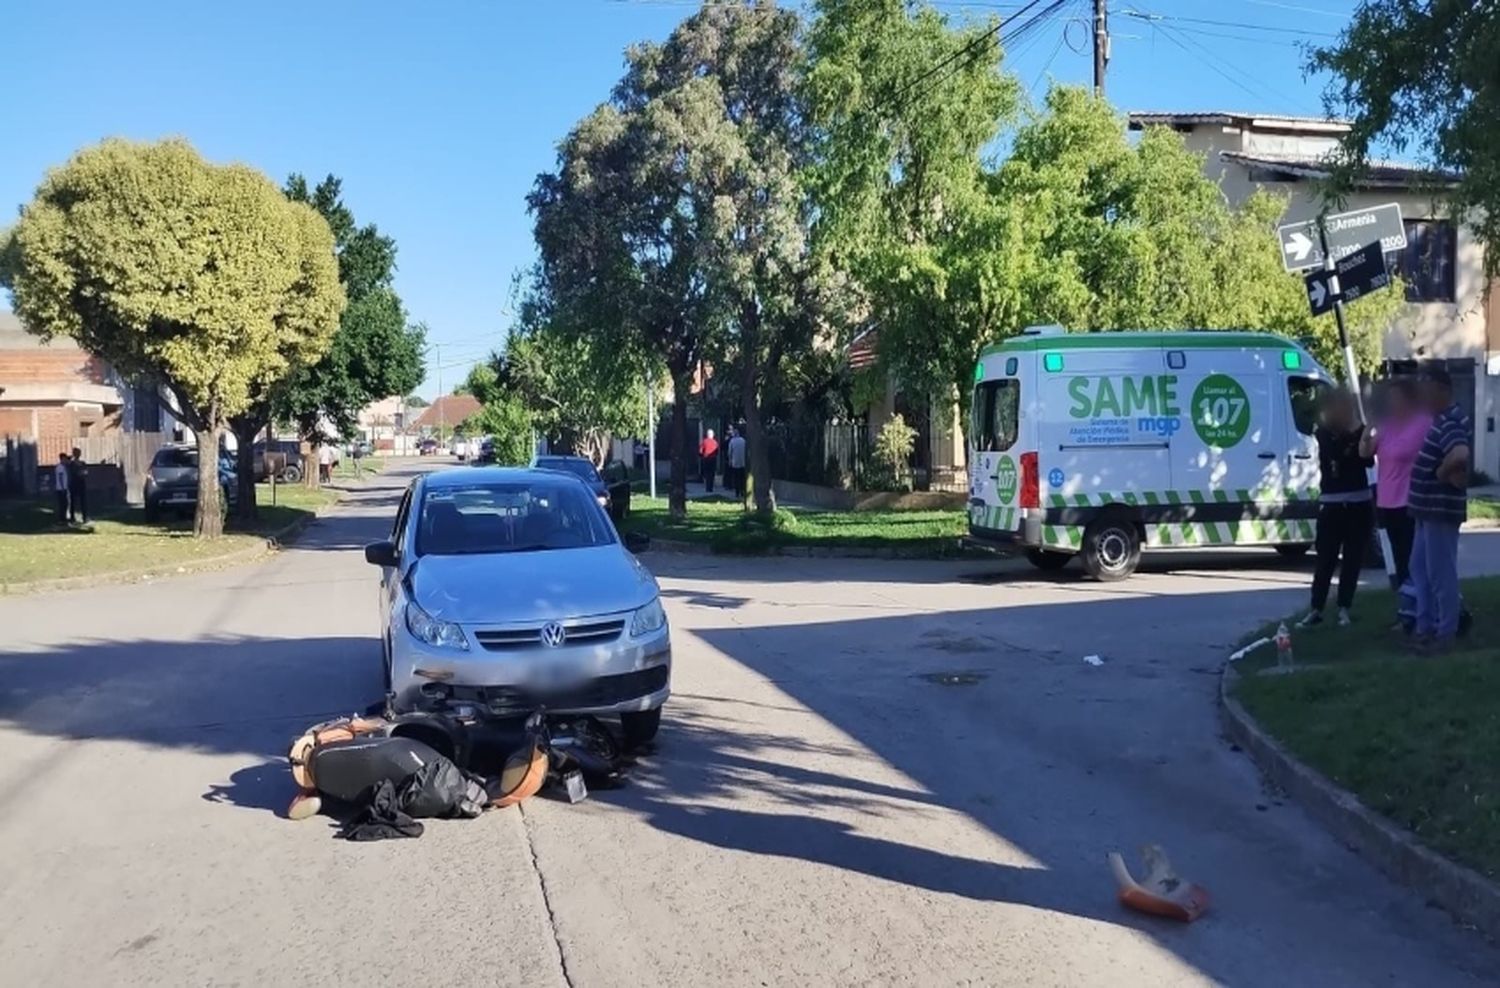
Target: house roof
[1377,175]
[448,411]
[1235,118]
[864,349]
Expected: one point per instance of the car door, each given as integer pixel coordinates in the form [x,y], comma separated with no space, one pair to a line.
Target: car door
[390,576]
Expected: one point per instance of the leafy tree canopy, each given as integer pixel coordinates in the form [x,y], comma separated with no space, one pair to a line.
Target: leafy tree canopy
[1421,75]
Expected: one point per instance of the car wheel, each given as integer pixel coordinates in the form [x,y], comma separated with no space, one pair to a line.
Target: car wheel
[640,727]
[1294,550]
[1111,548]
[291,474]
[1047,560]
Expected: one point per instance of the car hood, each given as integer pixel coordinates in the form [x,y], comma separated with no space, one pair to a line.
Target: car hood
[506,588]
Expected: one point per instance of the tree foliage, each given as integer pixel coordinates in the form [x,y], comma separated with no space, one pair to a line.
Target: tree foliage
[1424,75]
[200,277]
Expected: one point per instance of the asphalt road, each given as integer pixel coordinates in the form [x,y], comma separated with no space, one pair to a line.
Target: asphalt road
[871,772]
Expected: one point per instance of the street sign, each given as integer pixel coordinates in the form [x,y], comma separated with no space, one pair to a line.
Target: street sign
[1359,274]
[1347,233]
[1320,296]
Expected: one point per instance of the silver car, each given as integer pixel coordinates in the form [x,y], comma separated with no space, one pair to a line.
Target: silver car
[504,589]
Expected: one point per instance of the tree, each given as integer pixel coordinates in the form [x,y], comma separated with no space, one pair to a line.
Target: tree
[1421,76]
[620,237]
[199,277]
[416,401]
[504,417]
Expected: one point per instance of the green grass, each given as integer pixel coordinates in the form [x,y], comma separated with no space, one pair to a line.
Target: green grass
[1417,739]
[367,466]
[727,528]
[1484,507]
[34,547]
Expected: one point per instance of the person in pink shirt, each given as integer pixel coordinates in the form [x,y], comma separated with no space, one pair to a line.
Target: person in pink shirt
[1395,443]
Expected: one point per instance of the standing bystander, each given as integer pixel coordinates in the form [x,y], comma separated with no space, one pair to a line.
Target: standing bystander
[78,488]
[1395,443]
[60,486]
[708,455]
[737,462]
[1345,513]
[1440,506]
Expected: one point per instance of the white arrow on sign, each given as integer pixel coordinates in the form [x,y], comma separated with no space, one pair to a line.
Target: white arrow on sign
[1317,292]
[1297,245]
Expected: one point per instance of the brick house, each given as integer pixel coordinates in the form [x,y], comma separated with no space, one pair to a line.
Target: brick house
[53,393]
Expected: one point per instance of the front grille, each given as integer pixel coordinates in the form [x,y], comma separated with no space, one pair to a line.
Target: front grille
[585,632]
[510,701]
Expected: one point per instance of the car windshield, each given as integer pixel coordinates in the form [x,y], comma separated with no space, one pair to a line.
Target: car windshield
[525,516]
[567,464]
[175,458]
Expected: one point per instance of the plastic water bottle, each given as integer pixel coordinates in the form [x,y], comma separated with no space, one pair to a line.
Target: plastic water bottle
[1283,647]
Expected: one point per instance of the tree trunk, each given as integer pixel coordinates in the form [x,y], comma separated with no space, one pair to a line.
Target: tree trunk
[208,519]
[312,469]
[757,455]
[245,510]
[682,389]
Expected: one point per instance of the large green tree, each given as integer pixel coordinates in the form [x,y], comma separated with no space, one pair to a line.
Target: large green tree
[201,278]
[1424,76]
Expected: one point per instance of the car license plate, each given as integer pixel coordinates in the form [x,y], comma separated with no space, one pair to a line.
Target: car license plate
[573,783]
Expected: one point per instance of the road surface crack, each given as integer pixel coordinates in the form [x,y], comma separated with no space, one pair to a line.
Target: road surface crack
[541,880]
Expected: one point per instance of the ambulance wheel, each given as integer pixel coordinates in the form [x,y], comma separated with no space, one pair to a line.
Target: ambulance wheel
[1048,561]
[1293,550]
[1111,548]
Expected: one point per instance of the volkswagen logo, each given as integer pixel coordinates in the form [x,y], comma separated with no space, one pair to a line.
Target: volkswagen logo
[553,634]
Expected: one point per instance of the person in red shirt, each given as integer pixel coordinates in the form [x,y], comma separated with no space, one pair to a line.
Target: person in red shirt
[708,452]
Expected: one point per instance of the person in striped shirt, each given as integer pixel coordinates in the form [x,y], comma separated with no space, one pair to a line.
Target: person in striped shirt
[1440,506]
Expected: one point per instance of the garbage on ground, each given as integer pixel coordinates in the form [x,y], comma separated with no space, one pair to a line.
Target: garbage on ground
[1094,660]
[1161,892]
[1241,653]
[381,775]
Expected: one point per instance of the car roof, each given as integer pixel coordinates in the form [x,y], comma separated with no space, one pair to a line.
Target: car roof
[465,476]
[564,456]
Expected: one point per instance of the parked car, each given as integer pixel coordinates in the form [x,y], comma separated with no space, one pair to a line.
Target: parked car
[360,448]
[427,447]
[613,496]
[506,589]
[172,481]
[461,449]
[291,448]
[486,451]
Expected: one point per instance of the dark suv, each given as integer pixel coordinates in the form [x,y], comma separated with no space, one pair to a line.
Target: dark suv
[613,494]
[291,449]
[172,481]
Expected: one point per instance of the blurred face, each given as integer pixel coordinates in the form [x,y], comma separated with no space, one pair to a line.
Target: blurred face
[1436,395]
[1399,403]
[1338,411]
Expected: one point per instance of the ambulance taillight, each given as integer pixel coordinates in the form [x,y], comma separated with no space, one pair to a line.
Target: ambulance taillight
[1031,483]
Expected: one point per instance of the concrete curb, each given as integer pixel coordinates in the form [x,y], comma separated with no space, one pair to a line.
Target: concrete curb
[240,557]
[1470,897]
[810,551]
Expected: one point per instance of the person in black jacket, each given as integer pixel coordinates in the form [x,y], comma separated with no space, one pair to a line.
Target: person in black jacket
[1346,507]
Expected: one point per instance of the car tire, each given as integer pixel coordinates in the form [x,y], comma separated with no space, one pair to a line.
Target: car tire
[1111,547]
[1047,560]
[640,727]
[292,474]
[1293,550]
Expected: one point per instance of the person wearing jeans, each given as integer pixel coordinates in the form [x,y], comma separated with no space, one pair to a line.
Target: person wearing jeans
[1440,506]
[1345,510]
[1395,443]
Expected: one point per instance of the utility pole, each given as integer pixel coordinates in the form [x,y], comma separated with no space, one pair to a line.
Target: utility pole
[1101,46]
[651,434]
[1351,377]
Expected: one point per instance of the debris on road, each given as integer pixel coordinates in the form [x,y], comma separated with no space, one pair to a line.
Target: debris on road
[382,774]
[1094,660]
[1241,653]
[1161,892]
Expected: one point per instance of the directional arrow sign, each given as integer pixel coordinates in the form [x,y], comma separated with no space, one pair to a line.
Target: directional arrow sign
[1319,296]
[1359,274]
[1347,233]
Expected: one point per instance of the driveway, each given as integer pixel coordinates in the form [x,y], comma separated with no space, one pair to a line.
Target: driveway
[872,771]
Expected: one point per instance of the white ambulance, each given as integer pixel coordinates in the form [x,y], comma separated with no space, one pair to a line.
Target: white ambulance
[1102,444]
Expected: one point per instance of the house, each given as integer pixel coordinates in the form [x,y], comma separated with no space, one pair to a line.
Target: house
[1449,319]
[939,457]
[53,393]
[384,424]
[445,414]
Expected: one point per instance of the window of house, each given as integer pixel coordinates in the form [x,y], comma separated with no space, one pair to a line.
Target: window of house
[997,415]
[1427,264]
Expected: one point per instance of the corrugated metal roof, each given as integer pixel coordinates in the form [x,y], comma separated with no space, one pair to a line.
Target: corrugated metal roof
[1379,174]
[1262,121]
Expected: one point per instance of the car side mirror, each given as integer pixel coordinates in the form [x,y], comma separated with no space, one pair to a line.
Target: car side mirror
[381,553]
[637,542]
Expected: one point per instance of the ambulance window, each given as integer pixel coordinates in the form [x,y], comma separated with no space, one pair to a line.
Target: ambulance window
[1176,360]
[1307,398]
[997,406]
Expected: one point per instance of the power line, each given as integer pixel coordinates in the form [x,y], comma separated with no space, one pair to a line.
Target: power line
[1255,88]
[967,50]
[1015,43]
[1345,15]
[1146,15]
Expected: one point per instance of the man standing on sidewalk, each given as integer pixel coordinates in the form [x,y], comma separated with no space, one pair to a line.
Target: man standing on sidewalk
[737,462]
[1440,506]
[708,455]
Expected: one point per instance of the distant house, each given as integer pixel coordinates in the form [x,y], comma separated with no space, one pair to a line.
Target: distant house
[446,413]
[53,393]
[1449,321]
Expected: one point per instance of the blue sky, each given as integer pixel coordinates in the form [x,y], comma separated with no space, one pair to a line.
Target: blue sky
[439,116]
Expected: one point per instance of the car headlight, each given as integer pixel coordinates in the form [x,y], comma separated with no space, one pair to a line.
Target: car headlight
[603,500]
[648,619]
[426,628]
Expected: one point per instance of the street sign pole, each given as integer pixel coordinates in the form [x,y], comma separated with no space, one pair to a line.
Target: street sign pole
[1351,378]
[651,434]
